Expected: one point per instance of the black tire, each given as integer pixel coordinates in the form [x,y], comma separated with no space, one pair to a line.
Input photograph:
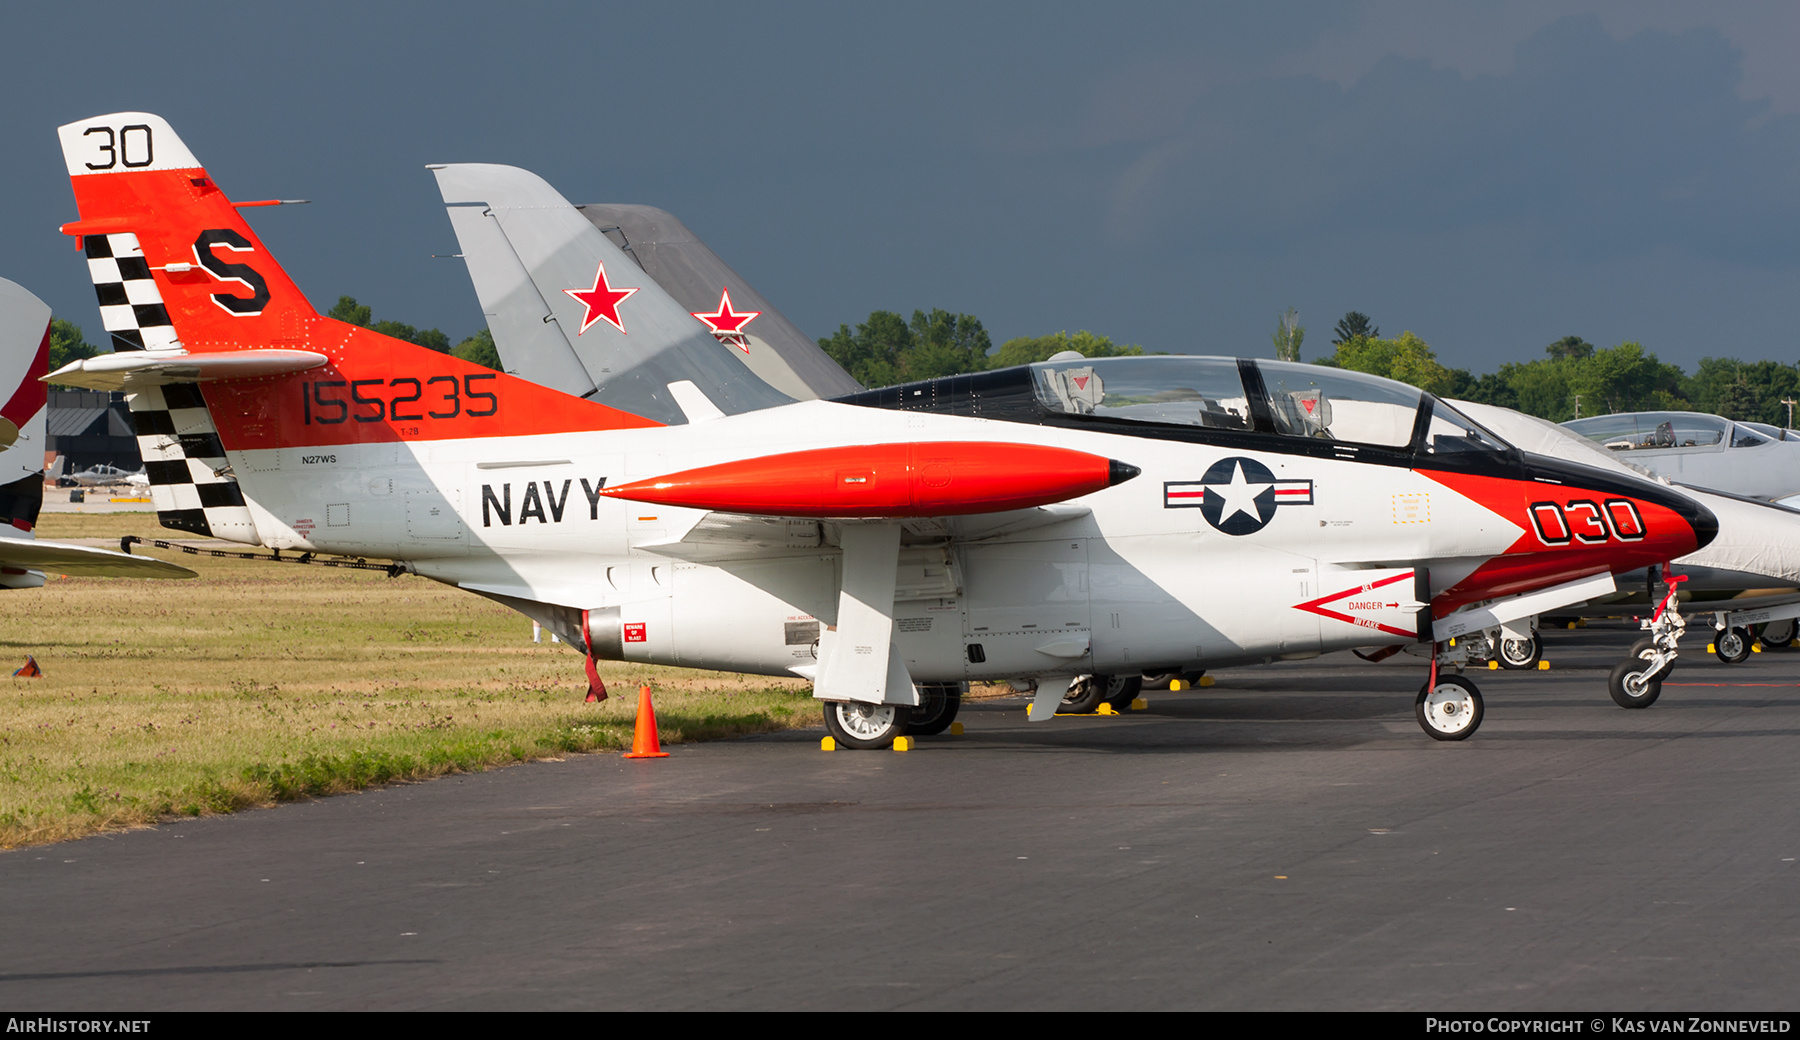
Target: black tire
[1126,691]
[1451,710]
[1157,680]
[864,727]
[1639,648]
[938,705]
[1777,635]
[1087,691]
[1628,687]
[1519,654]
[1732,646]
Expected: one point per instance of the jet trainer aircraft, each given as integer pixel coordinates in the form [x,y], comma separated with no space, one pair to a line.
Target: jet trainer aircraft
[1071,517]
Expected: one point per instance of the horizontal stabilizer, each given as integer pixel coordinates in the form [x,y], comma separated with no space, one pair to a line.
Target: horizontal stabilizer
[84,560]
[133,370]
[920,479]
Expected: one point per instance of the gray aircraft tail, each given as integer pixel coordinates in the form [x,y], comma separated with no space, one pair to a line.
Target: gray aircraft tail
[785,358]
[568,308]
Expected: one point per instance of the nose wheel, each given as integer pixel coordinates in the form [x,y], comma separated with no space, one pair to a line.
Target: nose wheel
[1449,709]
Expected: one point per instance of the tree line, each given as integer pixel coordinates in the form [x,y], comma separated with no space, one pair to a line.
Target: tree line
[1573,378]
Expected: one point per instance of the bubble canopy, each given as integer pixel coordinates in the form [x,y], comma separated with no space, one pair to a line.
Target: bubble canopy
[1186,397]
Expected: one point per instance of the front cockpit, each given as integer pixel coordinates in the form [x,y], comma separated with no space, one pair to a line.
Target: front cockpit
[1297,408]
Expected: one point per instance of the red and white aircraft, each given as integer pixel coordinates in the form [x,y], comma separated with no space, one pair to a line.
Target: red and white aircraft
[25,559]
[1074,517]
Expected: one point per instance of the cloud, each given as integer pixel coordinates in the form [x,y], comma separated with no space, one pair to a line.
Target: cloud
[1598,147]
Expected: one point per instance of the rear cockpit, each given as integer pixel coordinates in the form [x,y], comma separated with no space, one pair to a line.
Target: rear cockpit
[1282,406]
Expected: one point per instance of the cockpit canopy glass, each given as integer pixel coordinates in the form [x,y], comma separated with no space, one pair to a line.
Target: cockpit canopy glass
[1650,431]
[1309,401]
[1331,404]
[1190,391]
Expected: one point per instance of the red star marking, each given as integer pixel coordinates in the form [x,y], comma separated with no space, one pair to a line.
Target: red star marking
[601,301]
[725,320]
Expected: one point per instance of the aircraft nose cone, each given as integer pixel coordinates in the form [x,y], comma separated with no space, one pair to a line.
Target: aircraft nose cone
[1119,472]
[1704,523]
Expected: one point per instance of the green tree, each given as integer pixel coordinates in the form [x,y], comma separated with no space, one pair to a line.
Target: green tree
[1570,347]
[1026,350]
[1407,358]
[1625,378]
[1289,334]
[1354,325]
[872,353]
[67,344]
[479,349]
[945,344]
[887,349]
[347,309]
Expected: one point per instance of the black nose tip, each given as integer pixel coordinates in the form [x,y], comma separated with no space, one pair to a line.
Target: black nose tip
[1119,472]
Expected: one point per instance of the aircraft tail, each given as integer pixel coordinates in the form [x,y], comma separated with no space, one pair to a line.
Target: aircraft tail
[24,357]
[569,309]
[222,352]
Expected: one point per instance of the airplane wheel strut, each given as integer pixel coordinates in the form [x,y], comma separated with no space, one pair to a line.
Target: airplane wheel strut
[860,726]
[1520,653]
[1450,710]
[1732,645]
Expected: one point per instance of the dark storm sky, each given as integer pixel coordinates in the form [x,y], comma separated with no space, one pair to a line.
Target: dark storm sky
[1491,177]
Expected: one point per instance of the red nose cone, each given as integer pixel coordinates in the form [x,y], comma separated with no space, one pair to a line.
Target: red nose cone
[940,478]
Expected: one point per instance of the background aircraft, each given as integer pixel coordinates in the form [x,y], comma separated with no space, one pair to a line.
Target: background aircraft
[25,560]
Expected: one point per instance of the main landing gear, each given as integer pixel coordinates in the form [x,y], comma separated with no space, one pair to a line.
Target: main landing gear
[862,727]
[1087,691]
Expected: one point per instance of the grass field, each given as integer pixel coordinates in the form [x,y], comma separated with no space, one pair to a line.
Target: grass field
[259,682]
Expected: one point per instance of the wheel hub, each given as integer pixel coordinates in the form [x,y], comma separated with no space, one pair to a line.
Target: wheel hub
[866,720]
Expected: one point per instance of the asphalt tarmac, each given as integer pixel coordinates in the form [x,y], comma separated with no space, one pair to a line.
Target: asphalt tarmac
[1288,839]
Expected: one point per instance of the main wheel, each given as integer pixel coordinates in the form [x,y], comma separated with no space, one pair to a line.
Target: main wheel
[1450,710]
[854,724]
[938,704]
[1778,635]
[1630,684]
[1087,691]
[1123,690]
[1520,653]
[1732,646]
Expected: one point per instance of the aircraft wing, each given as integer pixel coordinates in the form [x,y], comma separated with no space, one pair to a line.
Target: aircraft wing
[84,560]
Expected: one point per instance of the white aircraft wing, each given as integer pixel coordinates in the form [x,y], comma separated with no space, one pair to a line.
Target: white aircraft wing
[84,560]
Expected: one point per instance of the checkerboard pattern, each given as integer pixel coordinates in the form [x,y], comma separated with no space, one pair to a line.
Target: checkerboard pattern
[131,308]
[191,482]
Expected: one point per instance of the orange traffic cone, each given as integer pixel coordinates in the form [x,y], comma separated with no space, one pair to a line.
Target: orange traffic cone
[644,743]
[30,670]
[596,688]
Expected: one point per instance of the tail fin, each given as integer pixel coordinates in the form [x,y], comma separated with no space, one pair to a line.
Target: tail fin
[24,358]
[570,310]
[147,205]
[230,356]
